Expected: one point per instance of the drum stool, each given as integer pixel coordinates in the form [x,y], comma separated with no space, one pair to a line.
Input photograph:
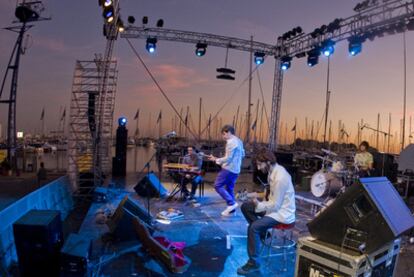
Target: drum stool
[287,241]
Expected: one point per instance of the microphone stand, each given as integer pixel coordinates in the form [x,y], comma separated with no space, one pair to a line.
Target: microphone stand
[148,167]
[385,138]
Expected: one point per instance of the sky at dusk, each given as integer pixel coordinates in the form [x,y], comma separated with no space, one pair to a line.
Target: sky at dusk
[361,86]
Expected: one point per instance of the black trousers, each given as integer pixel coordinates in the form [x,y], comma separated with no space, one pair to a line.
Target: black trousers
[258,225]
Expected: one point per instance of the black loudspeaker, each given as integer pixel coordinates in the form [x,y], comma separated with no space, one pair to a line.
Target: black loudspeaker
[384,163]
[150,186]
[369,214]
[91,112]
[120,159]
[75,256]
[38,238]
[120,223]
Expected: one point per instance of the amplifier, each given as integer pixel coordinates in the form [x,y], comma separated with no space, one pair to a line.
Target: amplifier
[75,256]
[318,259]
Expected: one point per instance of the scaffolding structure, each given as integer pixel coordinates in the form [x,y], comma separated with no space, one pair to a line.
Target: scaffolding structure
[90,123]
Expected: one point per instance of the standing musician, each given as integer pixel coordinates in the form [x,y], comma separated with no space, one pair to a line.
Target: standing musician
[363,160]
[261,215]
[230,168]
[195,161]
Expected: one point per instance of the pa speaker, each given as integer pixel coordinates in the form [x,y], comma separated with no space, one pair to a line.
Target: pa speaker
[150,186]
[75,255]
[369,214]
[38,237]
[120,223]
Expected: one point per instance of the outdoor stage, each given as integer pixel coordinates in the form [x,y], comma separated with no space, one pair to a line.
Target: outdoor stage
[215,245]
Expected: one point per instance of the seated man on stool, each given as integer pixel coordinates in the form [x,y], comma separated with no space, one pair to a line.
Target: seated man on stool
[194,160]
[279,208]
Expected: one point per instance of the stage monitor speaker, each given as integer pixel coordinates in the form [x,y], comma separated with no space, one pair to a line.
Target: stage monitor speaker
[369,214]
[38,237]
[75,255]
[150,186]
[120,223]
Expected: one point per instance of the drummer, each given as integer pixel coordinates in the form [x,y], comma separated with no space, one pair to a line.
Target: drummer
[364,160]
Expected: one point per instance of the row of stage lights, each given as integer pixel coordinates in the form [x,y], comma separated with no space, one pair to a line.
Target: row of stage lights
[326,48]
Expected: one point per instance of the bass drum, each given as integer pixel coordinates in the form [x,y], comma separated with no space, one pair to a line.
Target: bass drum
[325,184]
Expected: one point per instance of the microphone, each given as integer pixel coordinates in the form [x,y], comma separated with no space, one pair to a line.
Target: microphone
[170,134]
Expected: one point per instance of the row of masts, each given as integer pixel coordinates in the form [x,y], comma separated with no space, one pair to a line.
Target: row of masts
[382,135]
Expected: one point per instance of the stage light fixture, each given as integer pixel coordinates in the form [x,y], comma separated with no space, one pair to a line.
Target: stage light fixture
[160,23]
[107,3]
[145,20]
[201,49]
[410,25]
[328,47]
[122,121]
[259,58]
[313,57]
[355,45]
[151,45]
[25,13]
[120,25]
[108,14]
[131,19]
[285,63]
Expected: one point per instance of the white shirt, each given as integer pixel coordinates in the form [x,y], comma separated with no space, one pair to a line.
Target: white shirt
[281,205]
[234,155]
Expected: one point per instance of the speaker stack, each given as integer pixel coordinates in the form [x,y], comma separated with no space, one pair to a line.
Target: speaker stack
[120,159]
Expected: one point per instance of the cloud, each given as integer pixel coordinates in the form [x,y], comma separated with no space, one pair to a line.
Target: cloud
[51,44]
[172,79]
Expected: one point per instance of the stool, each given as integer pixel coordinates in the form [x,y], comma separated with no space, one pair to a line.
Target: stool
[287,241]
[201,189]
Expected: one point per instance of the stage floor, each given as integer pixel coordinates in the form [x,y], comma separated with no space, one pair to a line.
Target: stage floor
[215,245]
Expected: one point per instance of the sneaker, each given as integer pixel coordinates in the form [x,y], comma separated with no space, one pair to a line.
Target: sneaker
[248,268]
[229,209]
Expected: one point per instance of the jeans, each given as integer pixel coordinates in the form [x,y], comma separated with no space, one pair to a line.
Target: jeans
[224,185]
[258,225]
[194,183]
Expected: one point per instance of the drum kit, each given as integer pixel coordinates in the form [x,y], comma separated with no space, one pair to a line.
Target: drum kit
[333,178]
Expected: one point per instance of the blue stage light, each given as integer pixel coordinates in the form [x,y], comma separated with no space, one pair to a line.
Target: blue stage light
[285,63]
[108,13]
[313,57]
[201,49]
[355,45]
[259,58]
[151,45]
[328,47]
[122,121]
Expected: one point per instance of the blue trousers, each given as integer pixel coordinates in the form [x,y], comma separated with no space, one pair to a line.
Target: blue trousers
[224,185]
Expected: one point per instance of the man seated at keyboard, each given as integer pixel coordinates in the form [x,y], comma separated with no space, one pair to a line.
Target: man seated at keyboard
[193,176]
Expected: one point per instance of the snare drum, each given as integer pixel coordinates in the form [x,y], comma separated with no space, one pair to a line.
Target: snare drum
[325,183]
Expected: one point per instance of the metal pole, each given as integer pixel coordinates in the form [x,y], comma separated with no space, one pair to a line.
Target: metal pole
[249,100]
[199,119]
[328,94]
[405,93]
[378,126]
